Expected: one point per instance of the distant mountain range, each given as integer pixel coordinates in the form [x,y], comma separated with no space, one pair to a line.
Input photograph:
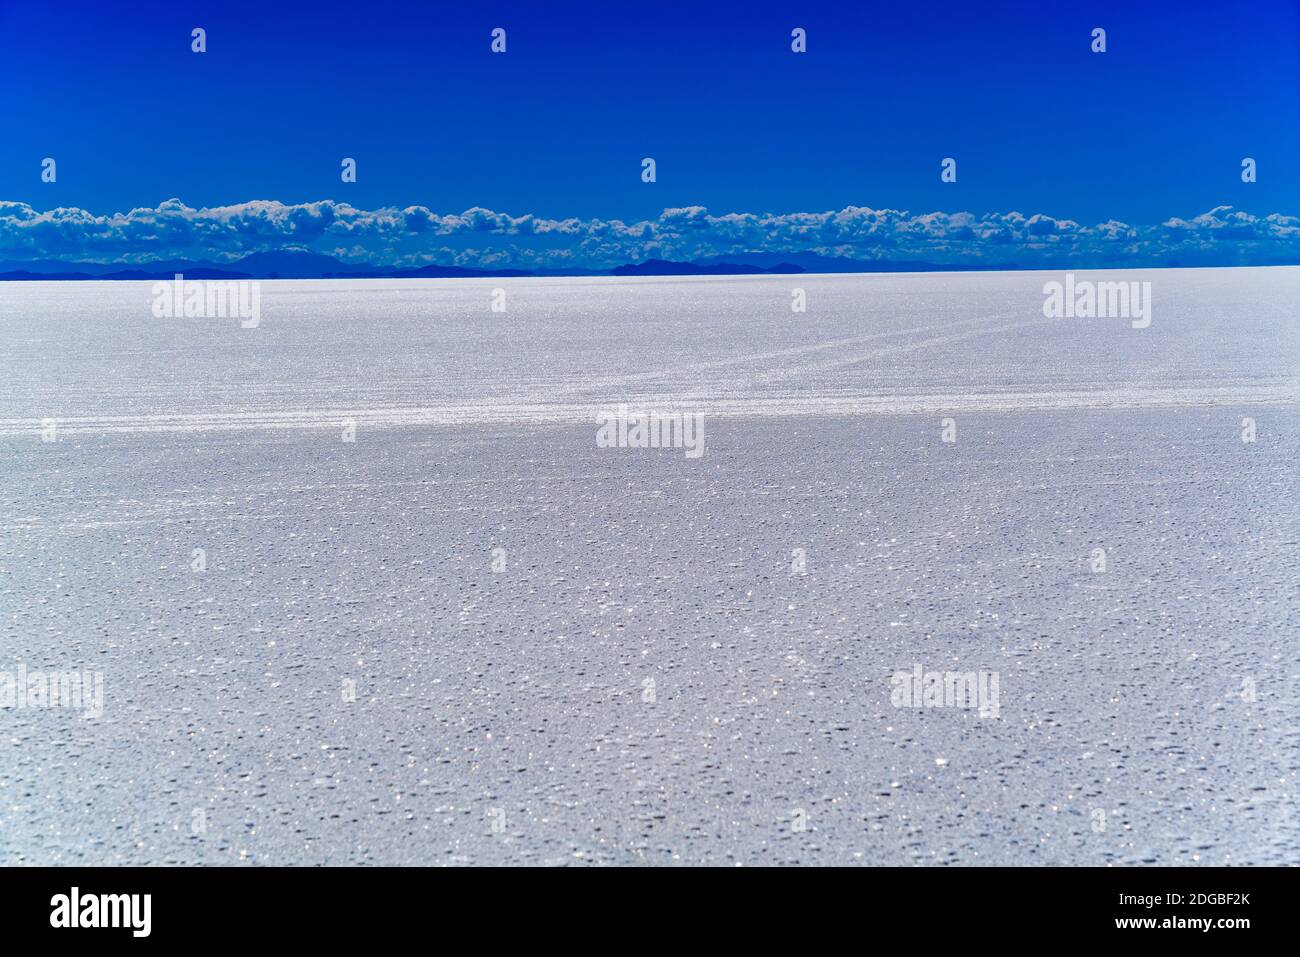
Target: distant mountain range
[299,264]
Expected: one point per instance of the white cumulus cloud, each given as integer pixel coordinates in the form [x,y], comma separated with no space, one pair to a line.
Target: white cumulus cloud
[417,235]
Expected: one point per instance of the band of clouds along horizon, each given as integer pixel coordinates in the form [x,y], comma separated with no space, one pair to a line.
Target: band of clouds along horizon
[416,235]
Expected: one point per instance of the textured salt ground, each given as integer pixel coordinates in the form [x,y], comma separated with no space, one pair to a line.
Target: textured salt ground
[396,354]
[521,692]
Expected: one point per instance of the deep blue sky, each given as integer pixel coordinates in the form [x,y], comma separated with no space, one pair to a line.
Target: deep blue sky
[1155,127]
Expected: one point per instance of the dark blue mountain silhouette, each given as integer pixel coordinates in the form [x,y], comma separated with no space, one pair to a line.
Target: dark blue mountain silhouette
[191,272]
[302,264]
[663,267]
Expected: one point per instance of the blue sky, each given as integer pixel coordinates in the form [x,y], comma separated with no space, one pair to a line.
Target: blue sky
[556,128]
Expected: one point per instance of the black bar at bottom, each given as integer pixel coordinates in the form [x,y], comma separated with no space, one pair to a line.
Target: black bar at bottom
[337,907]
